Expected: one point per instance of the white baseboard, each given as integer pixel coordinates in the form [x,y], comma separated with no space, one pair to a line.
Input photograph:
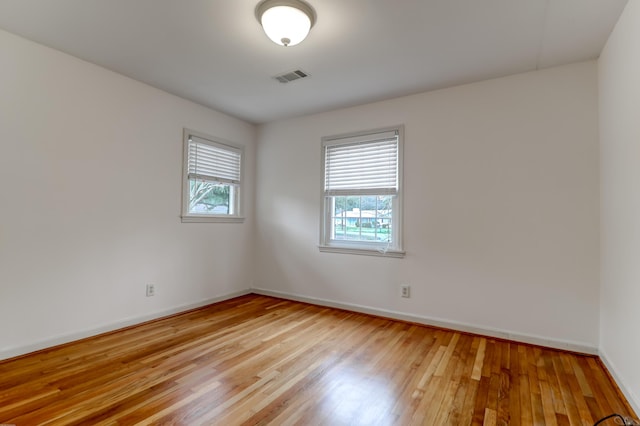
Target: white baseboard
[632,398]
[584,348]
[70,337]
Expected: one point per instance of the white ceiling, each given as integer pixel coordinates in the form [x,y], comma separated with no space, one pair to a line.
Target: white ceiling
[214,52]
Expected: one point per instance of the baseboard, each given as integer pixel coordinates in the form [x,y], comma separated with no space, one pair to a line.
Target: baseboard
[436,322]
[630,396]
[70,337]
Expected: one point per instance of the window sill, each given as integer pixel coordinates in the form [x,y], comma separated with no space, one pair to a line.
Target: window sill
[362,251]
[219,219]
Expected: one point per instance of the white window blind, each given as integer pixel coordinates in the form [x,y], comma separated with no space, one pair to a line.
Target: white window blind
[213,162]
[362,165]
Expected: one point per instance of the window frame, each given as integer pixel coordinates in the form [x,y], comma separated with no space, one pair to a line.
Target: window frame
[395,249]
[188,217]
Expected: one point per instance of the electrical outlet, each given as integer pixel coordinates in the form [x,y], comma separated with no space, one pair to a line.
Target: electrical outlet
[151,290]
[405,291]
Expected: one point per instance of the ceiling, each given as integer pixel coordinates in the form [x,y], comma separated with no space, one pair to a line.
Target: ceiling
[215,53]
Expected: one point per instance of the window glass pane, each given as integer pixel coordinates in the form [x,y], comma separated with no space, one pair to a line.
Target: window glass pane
[210,197]
[345,217]
[384,212]
[362,218]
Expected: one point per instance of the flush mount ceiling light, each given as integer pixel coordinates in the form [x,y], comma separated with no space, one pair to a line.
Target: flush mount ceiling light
[286,22]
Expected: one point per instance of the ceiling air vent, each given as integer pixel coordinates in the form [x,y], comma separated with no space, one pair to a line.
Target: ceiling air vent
[291,76]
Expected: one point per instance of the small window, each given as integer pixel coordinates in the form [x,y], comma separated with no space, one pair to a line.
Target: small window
[212,179]
[362,198]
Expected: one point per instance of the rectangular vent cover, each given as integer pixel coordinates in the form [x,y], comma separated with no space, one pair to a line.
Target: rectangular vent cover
[291,76]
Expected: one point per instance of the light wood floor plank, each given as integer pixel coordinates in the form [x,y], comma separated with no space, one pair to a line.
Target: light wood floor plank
[257,360]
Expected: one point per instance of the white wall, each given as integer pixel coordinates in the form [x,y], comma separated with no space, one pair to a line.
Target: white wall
[619,86]
[90,187]
[501,207]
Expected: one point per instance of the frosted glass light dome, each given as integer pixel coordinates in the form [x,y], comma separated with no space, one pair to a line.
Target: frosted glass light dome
[286,23]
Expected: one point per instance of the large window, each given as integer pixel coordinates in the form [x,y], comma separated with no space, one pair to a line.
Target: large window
[362,198]
[212,180]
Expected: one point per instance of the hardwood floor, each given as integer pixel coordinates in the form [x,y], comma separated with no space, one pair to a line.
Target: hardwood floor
[260,360]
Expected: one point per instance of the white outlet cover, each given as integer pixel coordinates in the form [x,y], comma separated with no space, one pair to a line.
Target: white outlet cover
[405,291]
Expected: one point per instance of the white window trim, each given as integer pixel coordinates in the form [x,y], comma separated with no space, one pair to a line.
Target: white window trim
[358,247]
[198,218]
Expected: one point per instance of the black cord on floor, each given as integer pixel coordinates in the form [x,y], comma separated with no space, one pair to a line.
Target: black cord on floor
[624,421]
